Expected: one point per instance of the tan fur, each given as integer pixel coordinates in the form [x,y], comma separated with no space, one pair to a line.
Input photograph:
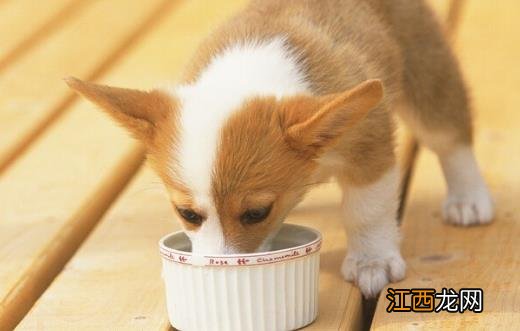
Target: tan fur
[138,111]
[334,115]
[271,148]
[341,43]
[150,116]
[254,159]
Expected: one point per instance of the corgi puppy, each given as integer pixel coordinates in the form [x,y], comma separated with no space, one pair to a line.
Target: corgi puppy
[287,94]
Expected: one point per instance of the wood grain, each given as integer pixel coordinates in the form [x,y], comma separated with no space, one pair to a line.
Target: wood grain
[113,280]
[32,93]
[158,58]
[55,193]
[487,257]
[120,258]
[19,34]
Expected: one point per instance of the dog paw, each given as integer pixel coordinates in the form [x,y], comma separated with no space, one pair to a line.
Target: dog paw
[471,208]
[371,275]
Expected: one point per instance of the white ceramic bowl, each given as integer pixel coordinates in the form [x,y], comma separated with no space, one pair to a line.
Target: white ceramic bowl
[275,290]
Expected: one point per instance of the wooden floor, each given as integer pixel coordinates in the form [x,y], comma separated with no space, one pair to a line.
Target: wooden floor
[80,216]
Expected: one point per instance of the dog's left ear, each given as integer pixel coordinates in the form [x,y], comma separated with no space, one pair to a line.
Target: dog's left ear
[310,124]
[137,111]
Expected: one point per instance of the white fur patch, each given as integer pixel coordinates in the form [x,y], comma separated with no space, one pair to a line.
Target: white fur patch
[238,73]
[468,201]
[373,258]
[209,238]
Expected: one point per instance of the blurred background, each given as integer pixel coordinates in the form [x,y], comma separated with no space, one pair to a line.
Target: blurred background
[80,216]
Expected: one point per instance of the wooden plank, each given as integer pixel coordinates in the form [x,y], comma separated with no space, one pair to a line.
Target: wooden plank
[54,194]
[32,93]
[130,232]
[486,257]
[19,34]
[113,282]
[119,261]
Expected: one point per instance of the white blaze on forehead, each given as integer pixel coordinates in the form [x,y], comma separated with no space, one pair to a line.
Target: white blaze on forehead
[209,238]
[233,76]
[238,73]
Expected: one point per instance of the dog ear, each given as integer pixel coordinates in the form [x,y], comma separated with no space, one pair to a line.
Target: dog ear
[137,111]
[311,124]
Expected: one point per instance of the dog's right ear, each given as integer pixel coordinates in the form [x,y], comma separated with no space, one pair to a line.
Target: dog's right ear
[312,124]
[138,111]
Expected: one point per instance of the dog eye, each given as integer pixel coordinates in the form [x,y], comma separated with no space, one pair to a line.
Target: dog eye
[256,215]
[190,216]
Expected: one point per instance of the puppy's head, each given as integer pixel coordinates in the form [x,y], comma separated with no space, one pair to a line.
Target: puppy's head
[233,169]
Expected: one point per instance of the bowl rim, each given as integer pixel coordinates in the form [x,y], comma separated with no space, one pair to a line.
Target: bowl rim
[241,259]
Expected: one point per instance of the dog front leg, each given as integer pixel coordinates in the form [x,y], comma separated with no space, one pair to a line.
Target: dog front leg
[373,258]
